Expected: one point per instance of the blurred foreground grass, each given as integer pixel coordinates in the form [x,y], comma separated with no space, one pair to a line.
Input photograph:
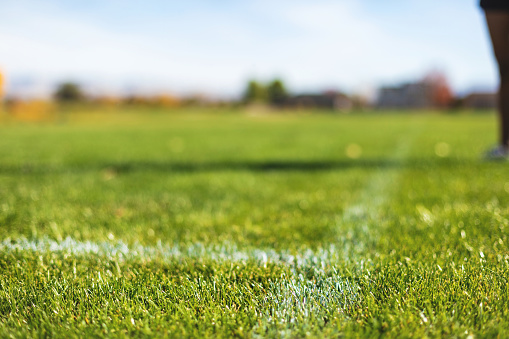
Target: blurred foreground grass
[226,223]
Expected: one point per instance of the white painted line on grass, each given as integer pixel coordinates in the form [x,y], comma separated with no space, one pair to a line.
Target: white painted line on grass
[221,252]
[289,299]
[378,189]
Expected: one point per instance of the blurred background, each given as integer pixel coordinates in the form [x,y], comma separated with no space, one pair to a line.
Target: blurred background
[336,55]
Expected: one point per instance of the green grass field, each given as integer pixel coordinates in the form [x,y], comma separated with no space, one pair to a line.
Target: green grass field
[202,223]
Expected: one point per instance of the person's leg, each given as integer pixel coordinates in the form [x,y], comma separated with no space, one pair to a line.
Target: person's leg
[498,24]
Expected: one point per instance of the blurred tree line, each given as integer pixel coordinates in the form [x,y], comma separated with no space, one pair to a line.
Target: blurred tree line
[273,93]
[69,92]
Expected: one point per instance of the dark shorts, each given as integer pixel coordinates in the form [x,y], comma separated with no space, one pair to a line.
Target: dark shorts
[495,5]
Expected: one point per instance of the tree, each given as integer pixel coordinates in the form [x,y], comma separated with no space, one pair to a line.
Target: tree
[1,85]
[68,92]
[276,92]
[442,95]
[255,92]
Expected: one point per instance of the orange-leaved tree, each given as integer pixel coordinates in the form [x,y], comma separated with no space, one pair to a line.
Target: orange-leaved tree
[442,94]
[2,80]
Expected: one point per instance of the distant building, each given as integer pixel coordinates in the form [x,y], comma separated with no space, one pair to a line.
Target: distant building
[417,95]
[329,100]
[478,100]
[431,91]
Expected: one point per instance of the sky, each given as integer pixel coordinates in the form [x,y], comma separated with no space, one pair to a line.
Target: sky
[215,46]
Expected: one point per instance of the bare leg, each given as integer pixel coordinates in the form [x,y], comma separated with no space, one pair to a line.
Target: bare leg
[498,24]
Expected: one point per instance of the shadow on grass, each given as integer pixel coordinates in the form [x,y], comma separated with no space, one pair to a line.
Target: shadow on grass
[241,165]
